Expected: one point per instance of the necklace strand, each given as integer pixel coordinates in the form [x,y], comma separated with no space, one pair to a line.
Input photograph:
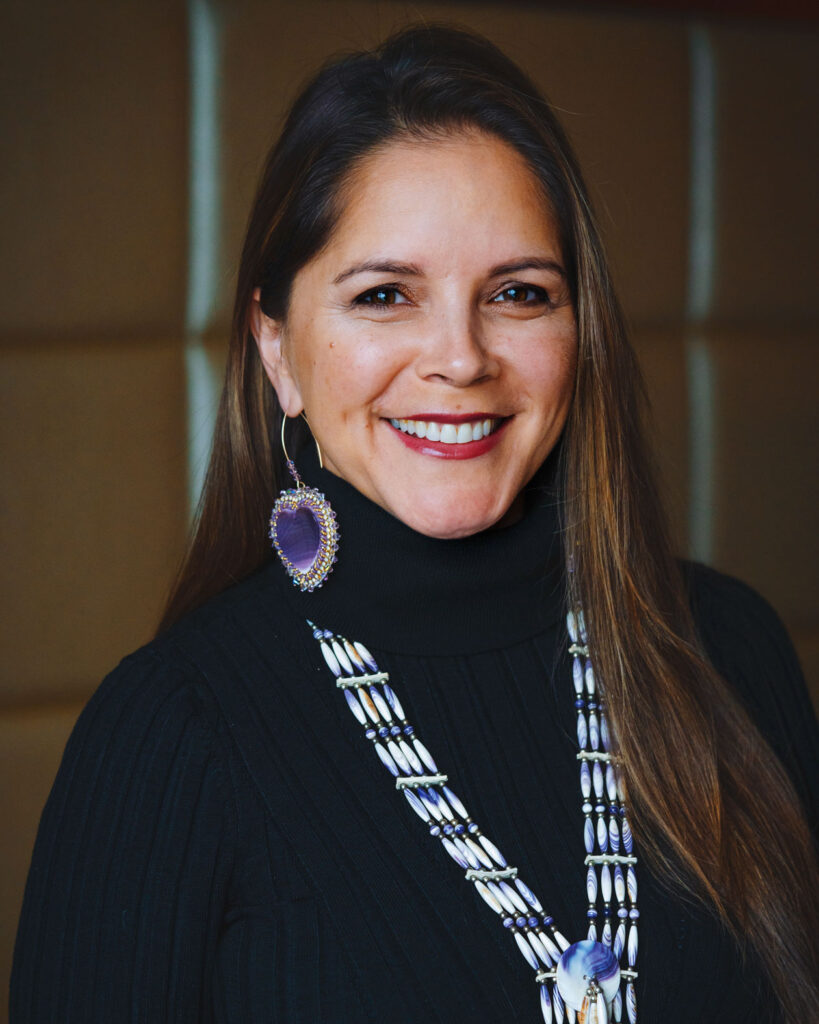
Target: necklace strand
[608,841]
[610,862]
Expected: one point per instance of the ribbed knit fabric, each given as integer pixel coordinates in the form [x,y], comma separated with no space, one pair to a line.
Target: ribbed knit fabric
[221,845]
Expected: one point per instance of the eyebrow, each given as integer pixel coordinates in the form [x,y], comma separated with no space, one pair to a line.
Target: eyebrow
[528,263]
[412,270]
[380,267]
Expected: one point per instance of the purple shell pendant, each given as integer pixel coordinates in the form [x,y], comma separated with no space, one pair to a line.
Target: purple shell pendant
[586,962]
[304,533]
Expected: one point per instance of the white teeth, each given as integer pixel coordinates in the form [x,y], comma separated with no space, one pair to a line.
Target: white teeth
[446,433]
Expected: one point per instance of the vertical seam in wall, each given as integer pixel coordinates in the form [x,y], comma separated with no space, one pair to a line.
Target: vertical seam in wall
[203,236]
[701,274]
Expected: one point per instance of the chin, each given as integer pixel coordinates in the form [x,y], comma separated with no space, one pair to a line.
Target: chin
[462,520]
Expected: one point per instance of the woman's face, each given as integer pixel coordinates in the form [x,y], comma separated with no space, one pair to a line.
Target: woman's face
[431,344]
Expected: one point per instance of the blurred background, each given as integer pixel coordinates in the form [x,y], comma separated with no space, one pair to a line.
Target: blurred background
[134,132]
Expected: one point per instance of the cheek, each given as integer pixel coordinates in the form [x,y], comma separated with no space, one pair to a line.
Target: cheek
[343,370]
[553,366]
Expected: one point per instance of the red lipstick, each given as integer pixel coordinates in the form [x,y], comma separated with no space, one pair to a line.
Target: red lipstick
[467,450]
[458,417]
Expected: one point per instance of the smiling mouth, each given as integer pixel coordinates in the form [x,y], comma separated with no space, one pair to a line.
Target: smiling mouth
[449,433]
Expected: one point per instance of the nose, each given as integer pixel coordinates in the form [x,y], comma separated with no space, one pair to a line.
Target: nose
[457,352]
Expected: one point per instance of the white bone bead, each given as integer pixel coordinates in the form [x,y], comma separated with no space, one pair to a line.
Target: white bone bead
[330,658]
[341,657]
[381,705]
[489,897]
[526,950]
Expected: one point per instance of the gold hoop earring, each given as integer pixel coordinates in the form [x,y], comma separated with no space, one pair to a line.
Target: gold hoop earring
[290,464]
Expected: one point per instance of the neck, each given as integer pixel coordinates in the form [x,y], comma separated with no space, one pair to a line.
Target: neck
[411,593]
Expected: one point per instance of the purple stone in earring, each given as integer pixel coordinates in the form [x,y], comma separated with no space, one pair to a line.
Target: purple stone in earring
[304,531]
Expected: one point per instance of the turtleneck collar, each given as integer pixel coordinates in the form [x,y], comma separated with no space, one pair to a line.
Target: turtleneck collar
[407,593]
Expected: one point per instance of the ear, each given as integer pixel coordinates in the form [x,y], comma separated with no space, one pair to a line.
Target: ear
[269,335]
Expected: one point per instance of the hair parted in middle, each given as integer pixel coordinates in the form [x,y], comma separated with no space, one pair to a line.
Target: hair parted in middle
[699,812]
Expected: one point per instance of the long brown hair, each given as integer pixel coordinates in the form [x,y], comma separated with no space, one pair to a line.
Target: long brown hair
[701,807]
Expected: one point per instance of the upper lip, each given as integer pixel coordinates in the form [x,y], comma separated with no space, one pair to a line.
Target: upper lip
[450,417]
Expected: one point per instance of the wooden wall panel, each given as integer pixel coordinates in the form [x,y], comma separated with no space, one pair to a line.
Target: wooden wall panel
[93,107]
[94,508]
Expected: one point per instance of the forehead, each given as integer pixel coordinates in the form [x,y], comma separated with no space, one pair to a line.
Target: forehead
[470,183]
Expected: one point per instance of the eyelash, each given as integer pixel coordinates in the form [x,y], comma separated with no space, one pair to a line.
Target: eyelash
[364,298]
[541,296]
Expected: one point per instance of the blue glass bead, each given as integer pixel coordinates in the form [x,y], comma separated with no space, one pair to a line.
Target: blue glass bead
[592,705]
[585,779]
[599,808]
[417,805]
[408,730]
[435,830]
[548,921]
[529,896]
[622,912]
[580,703]
[614,809]
[448,830]
[371,734]
[508,922]
[545,1002]
[382,732]
[460,829]
[634,913]
[396,730]
[606,911]
[622,812]
[473,828]
[520,922]
[534,922]
[588,835]
[591,914]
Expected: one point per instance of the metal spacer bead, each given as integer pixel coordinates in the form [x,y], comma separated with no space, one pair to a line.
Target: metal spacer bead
[345,682]
[415,781]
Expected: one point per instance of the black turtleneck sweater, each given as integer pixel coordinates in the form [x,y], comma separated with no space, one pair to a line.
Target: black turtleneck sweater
[222,845]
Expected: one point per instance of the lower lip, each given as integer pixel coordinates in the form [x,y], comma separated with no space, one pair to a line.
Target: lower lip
[468,450]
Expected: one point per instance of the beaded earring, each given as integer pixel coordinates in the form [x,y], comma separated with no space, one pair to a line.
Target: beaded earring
[303,529]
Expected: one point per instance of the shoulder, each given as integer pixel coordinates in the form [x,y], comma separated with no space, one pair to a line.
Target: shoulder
[235,645]
[749,646]
[169,678]
[731,616]
[742,634]
[147,717]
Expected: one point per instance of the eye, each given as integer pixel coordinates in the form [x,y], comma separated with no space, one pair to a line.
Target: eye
[523,295]
[383,295]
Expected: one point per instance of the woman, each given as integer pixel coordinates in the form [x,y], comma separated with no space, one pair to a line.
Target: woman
[422,281]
